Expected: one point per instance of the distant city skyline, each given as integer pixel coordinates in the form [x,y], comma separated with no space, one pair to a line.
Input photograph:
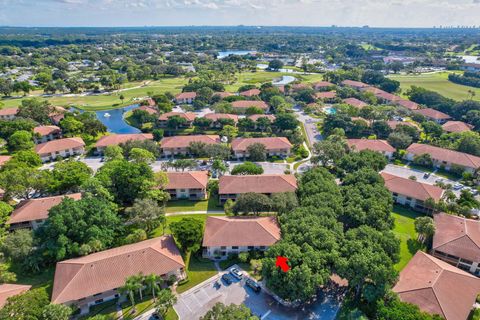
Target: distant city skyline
[111,13]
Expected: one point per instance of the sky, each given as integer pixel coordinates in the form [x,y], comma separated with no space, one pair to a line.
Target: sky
[109,13]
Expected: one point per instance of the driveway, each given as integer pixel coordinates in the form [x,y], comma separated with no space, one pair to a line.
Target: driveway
[310,125]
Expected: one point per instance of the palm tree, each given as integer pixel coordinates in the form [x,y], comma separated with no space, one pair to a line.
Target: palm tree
[138,281]
[166,299]
[153,282]
[129,289]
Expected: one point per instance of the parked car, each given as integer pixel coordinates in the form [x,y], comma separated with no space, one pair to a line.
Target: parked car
[426,175]
[155,316]
[236,273]
[228,279]
[457,186]
[255,286]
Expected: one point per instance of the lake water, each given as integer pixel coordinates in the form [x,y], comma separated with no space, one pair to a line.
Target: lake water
[116,123]
[223,54]
[284,80]
[471,59]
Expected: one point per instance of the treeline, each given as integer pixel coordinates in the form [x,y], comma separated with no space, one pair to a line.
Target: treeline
[471,79]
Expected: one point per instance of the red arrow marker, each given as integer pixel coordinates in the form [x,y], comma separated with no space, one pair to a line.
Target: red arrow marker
[282,263]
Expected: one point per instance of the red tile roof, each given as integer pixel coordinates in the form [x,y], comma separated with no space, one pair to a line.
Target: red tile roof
[326,95]
[255,117]
[189,116]
[265,183]
[217,116]
[459,158]
[437,287]
[245,104]
[223,94]
[456,126]
[411,188]
[270,143]
[59,145]
[116,139]
[408,104]
[394,123]
[46,130]
[184,141]
[374,145]
[106,270]
[457,236]
[4,159]
[322,84]
[240,231]
[433,114]
[355,84]
[186,95]
[250,93]
[149,110]
[9,290]
[187,180]
[37,209]
[8,111]
[355,102]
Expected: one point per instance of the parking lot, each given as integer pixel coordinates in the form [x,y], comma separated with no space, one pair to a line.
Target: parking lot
[197,301]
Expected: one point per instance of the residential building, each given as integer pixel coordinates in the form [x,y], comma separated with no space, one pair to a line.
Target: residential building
[188,116]
[323,85]
[457,241]
[185,97]
[355,84]
[326,95]
[4,159]
[32,213]
[381,146]
[42,134]
[241,106]
[191,185]
[222,95]
[57,114]
[393,124]
[178,145]
[433,115]
[116,139]
[437,287]
[216,118]
[8,290]
[8,113]
[474,67]
[250,93]
[152,110]
[359,104]
[412,193]
[255,117]
[96,278]
[232,235]
[230,187]
[410,105]
[66,147]
[444,158]
[456,126]
[274,146]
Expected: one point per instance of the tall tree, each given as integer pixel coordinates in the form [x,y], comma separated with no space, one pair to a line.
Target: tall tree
[188,232]
[146,214]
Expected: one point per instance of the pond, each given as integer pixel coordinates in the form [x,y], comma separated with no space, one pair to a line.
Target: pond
[223,54]
[284,80]
[471,59]
[330,110]
[115,123]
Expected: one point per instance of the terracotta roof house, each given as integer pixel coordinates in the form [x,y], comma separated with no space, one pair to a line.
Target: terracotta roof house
[437,287]
[250,93]
[8,113]
[217,118]
[190,185]
[255,117]
[326,95]
[185,97]
[95,278]
[411,193]
[444,157]
[274,146]
[299,86]
[57,114]
[223,94]
[8,290]
[386,97]
[66,147]
[32,213]
[393,124]
[355,84]
[457,241]
[230,187]
[176,145]
[188,116]
[46,133]
[322,85]
[241,106]
[456,126]
[116,139]
[232,235]
[433,115]
[381,146]
[4,159]
[355,102]
[407,104]
[149,109]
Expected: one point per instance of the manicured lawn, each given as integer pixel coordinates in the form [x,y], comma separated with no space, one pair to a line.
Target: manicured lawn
[158,232]
[171,315]
[187,205]
[405,231]
[141,306]
[108,309]
[260,77]
[198,270]
[437,82]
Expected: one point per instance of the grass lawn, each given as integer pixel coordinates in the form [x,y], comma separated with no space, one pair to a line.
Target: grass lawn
[260,77]
[187,205]
[108,309]
[158,232]
[436,82]
[405,230]
[198,270]
[141,306]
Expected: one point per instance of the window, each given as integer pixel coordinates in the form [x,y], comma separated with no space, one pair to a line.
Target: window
[98,301]
[262,247]
[250,247]
[223,247]
[97,294]
[234,247]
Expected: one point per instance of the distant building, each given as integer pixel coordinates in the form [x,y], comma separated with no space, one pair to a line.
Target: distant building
[326,95]
[393,124]
[437,287]
[323,85]
[185,97]
[230,187]
[4,159]
[8,290]
[250,93]
[410,105]
[191,185]
[116,139]
[42,134]
[381,146]
[64,148]
[188,116]
[241,106]
[233,235]
[8,113]
[178,145]
[433,115]
[222,95]
[474,67]
[355,103]
[274,146]
[354,84]
[456,126]
[216,118]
